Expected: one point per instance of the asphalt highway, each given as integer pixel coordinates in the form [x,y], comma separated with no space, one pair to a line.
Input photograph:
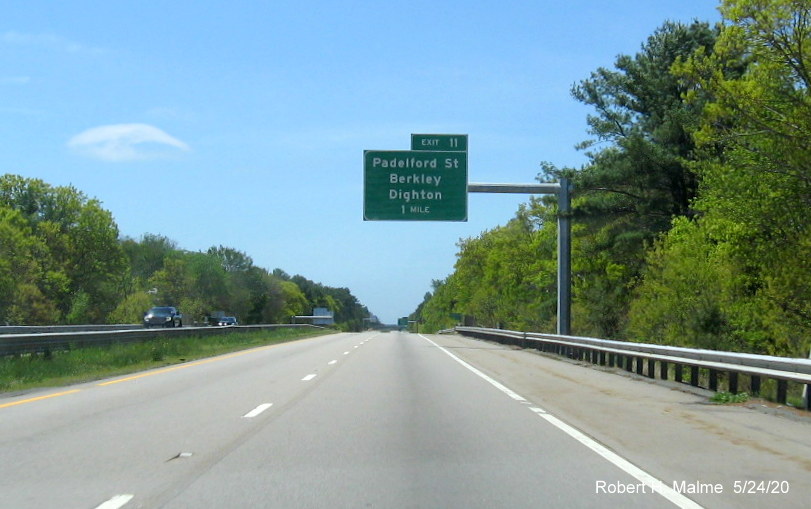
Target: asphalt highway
[383,420]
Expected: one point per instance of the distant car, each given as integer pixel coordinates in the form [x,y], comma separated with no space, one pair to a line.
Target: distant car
[163,316]
[227,320]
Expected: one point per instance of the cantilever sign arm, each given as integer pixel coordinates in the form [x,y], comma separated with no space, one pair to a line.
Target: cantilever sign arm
[563,189]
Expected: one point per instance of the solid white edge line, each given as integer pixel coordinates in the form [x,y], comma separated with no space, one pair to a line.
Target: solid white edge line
[258,410]
[116,502]
[656,485]
[509,392]
[309,377]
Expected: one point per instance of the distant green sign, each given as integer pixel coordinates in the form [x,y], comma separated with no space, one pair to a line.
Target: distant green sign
[442,142]
[405,185]
[402,322]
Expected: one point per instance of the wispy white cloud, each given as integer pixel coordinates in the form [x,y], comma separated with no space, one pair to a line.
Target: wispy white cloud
[47,41]
[126,142]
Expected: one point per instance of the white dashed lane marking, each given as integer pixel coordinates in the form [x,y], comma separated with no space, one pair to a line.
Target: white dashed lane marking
[258,410]
[116,502]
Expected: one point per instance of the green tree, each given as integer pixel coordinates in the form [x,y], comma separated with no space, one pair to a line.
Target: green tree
[208,281]
[295,303]
[231,259]
[682,301]
[18,249]
[131,309]
[146,255]
[265,295]
[172,281]
[79,257]
[756,168]
[348,312]
[632,188]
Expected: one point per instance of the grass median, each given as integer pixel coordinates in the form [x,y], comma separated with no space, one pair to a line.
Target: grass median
[19,373]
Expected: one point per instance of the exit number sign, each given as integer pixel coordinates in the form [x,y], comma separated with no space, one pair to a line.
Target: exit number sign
[439,142]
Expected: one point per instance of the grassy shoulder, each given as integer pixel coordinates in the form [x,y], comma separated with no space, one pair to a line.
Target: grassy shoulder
[87,364]
[724,398]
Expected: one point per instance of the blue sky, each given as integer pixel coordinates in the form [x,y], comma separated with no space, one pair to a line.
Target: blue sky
[243,123]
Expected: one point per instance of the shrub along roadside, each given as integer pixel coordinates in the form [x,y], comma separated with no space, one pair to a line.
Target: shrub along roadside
[86,364]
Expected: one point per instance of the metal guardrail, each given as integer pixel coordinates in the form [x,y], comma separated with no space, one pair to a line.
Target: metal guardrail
[45,329]
[643,358]
[46,342]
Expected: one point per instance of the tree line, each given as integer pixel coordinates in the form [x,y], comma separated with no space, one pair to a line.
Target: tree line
[691,218]
[62,261]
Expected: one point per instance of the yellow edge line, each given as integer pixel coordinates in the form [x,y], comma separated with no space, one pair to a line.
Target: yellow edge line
[150,373]
[167,370]
[191,364]
[39,398]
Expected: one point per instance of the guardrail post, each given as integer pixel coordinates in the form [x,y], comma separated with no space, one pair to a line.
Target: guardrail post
[807,392]
[639,362]
[651,368]
[714,380]
[782,391]
[733,382]
[754,384]
[678,374]
[694,376]
[663,370]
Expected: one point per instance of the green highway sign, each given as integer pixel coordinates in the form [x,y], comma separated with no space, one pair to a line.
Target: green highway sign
[443,142]
[408,185]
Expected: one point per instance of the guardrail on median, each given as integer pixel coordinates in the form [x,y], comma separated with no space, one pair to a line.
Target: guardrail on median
[46,329]
[643,359]
[44,343]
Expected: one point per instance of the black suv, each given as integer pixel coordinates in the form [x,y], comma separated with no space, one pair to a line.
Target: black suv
[163,316]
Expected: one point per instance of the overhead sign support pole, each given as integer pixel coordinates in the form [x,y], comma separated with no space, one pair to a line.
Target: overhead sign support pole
[563,189]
